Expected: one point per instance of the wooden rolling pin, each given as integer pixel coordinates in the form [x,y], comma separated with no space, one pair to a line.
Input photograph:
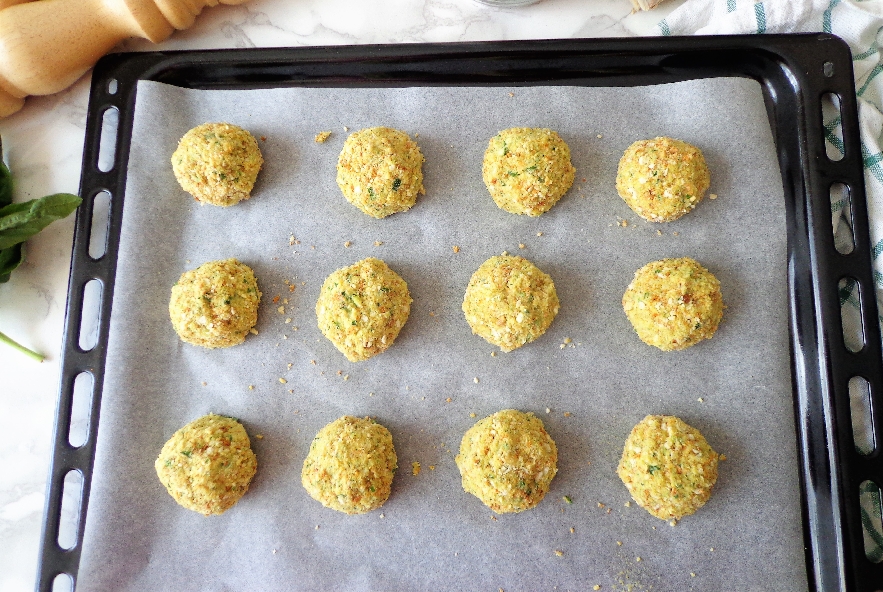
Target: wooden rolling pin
[45,46]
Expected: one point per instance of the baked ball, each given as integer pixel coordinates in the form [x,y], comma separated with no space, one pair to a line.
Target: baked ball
[216,304]
[668,467]
[527,169]
[674,303]
[507,460]
[510,302]
[208,464]
[380,171]
[217,163]
[662,179]
[350,465]
[362,308]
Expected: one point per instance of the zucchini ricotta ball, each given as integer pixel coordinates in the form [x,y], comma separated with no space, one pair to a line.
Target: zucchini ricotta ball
[362,308]
[674,303]
[662,179]
[217,163]
[350,465]
[527,170]
[668,467]
[507,460]
[208,464]
[216,304]
[380,171]
[510,302]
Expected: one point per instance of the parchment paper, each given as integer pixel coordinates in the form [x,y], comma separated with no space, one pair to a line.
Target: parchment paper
[431,535]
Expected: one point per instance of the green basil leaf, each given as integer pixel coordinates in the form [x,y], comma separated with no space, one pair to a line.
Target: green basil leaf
[5,185]
[21,221]
[10,259]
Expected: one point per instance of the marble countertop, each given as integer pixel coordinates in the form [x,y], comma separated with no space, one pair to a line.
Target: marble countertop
[43,146]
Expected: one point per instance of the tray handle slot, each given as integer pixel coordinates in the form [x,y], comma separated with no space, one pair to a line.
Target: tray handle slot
[832,127]
[81,407]
[849,292]
[870,506]
[100,224]
[69,518]
[863,433]
[63,583]
[90,315]
[841,218]
[828,69]
[110,120]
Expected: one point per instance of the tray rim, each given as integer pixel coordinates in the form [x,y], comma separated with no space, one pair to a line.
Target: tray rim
[793,73]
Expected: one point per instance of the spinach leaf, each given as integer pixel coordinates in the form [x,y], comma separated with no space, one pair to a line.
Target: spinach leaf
[10,258]
[5,185]
[21,221]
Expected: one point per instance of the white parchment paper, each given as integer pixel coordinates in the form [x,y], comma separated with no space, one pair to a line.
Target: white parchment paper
[590,392]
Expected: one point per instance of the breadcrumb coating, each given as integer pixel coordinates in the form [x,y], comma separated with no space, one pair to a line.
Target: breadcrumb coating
[508,460]
[217,163]
[668,467]
[380,171]
[362,308]
[662,179]
[674,303]
[350,465]
[527,170]
[216,304]
[510,302]
[208,464]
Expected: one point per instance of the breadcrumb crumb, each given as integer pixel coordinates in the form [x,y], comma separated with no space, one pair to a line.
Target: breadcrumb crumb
[455,248]
[321,137]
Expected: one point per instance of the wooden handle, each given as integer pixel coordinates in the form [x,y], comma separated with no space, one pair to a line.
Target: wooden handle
[46,46]
[646,4]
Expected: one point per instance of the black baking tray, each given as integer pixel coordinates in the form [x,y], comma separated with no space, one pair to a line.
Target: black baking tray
[795,73]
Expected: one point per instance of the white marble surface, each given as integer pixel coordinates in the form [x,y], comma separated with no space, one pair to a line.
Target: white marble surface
[43,145]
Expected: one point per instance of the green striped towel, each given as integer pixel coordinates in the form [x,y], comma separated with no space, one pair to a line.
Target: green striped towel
[860,24]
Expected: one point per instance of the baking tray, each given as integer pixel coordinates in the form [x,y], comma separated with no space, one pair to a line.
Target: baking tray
[795,73]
